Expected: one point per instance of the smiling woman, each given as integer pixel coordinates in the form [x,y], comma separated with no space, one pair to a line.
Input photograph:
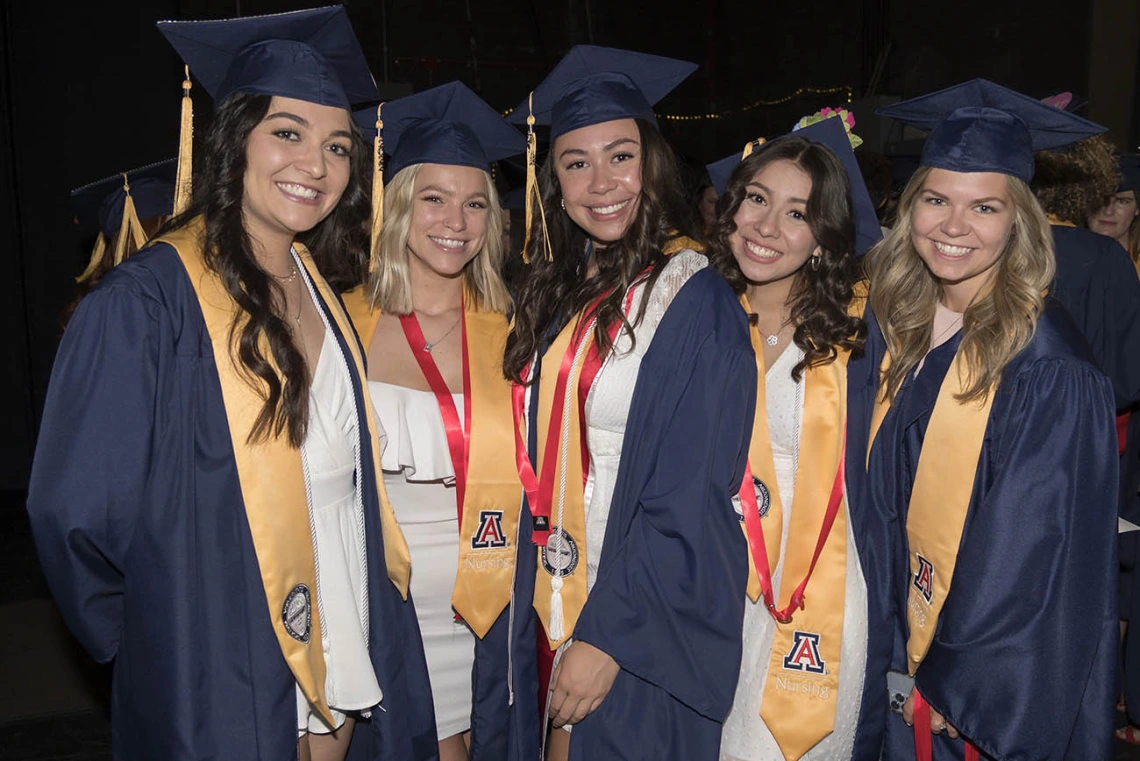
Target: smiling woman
[619,312]
[431,316]
[209,435]
[987,404]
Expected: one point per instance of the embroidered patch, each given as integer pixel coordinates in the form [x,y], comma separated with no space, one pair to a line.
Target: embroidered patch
[924,578]
[297,613]
[804,655]
[560,555]
[763,500]
[490,533]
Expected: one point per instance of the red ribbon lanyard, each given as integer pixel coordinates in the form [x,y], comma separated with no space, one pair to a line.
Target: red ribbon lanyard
[923,742]
[458,436]
[754,528]
[540,489]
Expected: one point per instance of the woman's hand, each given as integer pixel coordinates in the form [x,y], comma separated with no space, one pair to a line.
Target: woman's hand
[937,722]
[580,682]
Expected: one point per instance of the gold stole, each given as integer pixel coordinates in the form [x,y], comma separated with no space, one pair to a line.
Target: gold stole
[493,498]
[800,691]
[564,556]
[939,500]
[272,480]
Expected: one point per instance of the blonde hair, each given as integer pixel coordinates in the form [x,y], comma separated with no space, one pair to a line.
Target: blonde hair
[389,287]
[996,327]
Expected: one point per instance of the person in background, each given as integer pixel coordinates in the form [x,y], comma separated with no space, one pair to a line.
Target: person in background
[126,209]
[706,205]
[1119,219]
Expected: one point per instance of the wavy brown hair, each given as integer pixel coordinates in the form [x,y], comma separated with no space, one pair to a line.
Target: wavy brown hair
[995,328]
[1076,183]
[336,245]
[821,292]
[551,293]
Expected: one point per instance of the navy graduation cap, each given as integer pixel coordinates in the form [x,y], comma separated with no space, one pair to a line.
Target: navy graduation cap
[117,205]
[311,55]
[1129,164]
[979,126]
[593,84]
[831,133]
[101,203]
[513,199]
[448,124]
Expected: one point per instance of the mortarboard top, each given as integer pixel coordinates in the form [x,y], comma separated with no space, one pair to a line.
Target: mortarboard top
[448,124]
[101,203]
[311,55]
[979,126]
[833,135]
[513,199]
[593,84]
[1129,164]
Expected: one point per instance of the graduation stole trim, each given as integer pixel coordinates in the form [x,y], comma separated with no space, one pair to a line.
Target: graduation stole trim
[939,500]
[272,479]
[801,688]
[561,545]
[492,493]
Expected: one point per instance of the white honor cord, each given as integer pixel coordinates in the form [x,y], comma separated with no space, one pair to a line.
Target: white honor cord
[555,629]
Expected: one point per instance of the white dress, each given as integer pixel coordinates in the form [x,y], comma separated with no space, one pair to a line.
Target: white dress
[330,455]
[746,737]
[607,405]
[420,481]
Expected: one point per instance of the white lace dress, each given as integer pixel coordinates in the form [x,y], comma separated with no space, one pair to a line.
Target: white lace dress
[420,480]
[330,454]
[745,736]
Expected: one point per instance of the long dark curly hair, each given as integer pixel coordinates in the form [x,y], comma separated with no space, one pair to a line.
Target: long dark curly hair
[551,293]
[337,246]
[822,290]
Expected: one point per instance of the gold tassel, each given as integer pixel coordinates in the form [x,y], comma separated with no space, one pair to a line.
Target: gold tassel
[183,187]
[377,193]
[96,258]
[130,229]
[533,196]
[752,146]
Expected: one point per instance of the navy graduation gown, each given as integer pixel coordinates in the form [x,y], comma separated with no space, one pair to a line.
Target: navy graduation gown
[138,516]
[668,603]
[1023,659]
[1096,283]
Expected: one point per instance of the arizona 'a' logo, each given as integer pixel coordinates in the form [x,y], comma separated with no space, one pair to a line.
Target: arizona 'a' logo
[490,534]
[924,579]
[804,655]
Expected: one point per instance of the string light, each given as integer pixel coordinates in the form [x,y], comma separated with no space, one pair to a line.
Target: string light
[800,93]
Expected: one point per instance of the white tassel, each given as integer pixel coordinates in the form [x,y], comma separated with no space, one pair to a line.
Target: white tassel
[555,628]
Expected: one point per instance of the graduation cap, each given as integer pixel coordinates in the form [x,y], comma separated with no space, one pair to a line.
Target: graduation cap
[1129,164]
[311,55]
[116,204]
[833,135]
[448,125]
[979,126]
[593,84]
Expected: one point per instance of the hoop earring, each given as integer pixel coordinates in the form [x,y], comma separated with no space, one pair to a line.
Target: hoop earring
[815,263]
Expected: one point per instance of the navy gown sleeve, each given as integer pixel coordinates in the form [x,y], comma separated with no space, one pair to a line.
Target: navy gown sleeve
[1024,656]
[1118,347]
[93,458]
[668,602]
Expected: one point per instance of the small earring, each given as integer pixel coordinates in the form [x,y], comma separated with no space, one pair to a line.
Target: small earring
[563,202]
[814,262]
